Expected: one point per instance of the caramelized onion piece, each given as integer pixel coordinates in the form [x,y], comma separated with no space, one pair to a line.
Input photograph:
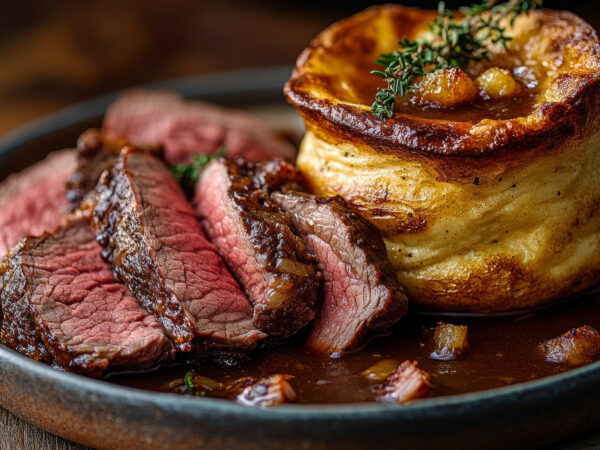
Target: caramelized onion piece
[449,340]
[575,347]
[380,370]
[268,392]
[293,267]
[406,383]
[445,88]
[497,83]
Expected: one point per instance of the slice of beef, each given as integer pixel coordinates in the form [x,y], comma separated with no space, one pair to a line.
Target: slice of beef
[406,383]
[61,303]
[255,239]
[34,200]
[183,127]
[362,296]
[95,154]
[157,247]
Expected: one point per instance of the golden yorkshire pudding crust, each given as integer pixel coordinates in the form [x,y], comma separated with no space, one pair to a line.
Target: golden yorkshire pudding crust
[332,88]
[478,214]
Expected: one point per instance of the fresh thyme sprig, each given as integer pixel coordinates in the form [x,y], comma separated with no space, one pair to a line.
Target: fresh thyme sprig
[188,174]
[455,43]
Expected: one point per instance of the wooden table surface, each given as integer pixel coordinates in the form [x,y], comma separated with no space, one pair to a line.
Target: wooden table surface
[56,53]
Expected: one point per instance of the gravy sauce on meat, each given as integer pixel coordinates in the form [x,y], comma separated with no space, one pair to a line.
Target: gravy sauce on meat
[502,351]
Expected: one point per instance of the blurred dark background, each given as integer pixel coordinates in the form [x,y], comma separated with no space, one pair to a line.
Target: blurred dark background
[53,53]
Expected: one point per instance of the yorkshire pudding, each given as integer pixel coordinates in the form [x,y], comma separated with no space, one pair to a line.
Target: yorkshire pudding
[488,206]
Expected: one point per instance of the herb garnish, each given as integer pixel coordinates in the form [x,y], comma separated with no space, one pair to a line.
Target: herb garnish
[188,379]
[455,43]
[188,174]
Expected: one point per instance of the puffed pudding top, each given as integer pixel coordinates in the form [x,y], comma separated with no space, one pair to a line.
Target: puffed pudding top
[553,55]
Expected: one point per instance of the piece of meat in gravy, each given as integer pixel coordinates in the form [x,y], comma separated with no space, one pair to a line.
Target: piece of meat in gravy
[95,154]
[34,200]
[157,247]
[406,383]
[255,239]
[449,341]
[575,347]
[152,119]
[61,304]
[268,392]
[361,296]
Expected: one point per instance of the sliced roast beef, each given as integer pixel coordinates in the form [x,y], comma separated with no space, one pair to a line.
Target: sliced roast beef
[151,119]
[362,297]
[34,200]
[255,239]
[61,303]
[157,247]
[95,154]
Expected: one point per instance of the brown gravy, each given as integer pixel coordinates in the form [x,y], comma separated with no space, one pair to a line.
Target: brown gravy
[504,109]
[481,108]
[503,351]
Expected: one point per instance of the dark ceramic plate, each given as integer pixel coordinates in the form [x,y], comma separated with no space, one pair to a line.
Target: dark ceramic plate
[104,415]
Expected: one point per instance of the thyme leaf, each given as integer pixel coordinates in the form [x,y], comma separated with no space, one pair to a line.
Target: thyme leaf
[188,174]
[455,43]
[188,379]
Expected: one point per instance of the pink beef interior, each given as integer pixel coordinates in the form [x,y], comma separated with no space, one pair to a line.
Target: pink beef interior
[346,307]
[195,272]
[362,297]
[92,321]
[215,207]
[150,119]
[34,200]
[170,265]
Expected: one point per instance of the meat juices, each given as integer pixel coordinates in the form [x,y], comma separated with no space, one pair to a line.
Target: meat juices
[61,304]
[164,119]
[34,200]
[362,297]
[158,248]
[255,239]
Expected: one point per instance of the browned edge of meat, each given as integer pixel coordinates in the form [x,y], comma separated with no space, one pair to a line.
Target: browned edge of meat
[19,330]
[273,175]
[95,154]
[268,392]
[157,247]
[362,296]
[255,238]
[62,304]
[406,383]
[575,347]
